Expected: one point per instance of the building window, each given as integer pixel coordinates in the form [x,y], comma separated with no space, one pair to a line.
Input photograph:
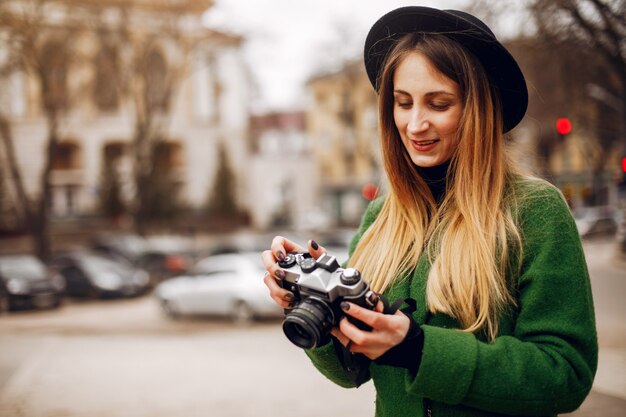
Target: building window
[106,88]
[168,156]
[114,151]
[66,157]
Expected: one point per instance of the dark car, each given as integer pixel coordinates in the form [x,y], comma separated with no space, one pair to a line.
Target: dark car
[29,284]
[4,298]
[162,258]
[90,274]
[598,221]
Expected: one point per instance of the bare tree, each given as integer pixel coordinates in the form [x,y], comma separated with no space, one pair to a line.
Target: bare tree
[44,52]
[599,27]
[149,80]
[574,54]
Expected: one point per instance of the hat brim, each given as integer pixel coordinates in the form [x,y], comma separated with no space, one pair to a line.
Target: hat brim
[501,67]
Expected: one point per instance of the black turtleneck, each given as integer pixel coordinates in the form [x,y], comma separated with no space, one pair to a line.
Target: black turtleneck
[435,178]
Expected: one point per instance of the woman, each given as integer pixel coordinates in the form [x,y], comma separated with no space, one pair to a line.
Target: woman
[504,322]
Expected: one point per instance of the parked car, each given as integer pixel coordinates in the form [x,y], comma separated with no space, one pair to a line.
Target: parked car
[29,284]
[597,221]
[161,257]
[125,245]
[89,274]
[4,298]
[229,285]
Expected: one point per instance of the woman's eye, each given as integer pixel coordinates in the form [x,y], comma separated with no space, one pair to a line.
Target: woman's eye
[439,106]
[404,104]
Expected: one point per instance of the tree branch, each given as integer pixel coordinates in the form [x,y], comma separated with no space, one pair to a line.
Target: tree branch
[614,57]
[24,206]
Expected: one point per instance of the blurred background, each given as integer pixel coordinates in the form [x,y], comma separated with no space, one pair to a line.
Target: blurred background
[149,150]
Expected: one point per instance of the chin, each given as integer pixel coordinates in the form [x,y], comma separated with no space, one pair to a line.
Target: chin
[426,162]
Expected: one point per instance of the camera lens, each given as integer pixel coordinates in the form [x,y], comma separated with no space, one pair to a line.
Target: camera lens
[308,325]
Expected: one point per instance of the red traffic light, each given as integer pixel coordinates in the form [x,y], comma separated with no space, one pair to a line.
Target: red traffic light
[563,126]
[624,164]
[369,191]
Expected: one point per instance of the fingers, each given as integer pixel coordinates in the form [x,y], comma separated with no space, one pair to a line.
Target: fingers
[387,330]
[281,246]
[269,262]
[315,250]
[343,339]
[281,296]
[369,317]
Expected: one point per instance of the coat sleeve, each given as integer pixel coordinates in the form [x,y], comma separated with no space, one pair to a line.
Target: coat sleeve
[547,364]
[324,357]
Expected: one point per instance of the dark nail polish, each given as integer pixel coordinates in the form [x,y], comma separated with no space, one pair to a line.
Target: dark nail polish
[280,255]
[280,274]
[314,245]
[344,306]
[288,297]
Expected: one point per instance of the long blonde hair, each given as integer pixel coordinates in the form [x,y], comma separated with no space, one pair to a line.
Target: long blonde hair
[467,236]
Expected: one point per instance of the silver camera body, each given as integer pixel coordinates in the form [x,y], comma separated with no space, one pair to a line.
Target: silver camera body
[319,287]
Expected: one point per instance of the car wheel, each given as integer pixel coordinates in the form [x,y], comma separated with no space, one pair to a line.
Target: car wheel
[242,313]
[5,305]
[58,302]
[169,309]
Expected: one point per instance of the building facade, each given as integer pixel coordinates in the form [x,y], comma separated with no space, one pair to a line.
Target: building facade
[282,178]
[126,66]
[342,124]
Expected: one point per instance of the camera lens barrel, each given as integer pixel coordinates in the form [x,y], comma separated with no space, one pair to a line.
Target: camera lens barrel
[308,324]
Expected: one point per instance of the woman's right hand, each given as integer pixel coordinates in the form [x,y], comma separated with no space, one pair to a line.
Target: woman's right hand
[278,250]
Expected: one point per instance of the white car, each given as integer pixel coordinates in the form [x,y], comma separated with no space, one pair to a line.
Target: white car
[224,285]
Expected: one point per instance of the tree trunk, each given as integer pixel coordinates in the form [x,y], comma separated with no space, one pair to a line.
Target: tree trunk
[23,205]
[41,233]
[141,153]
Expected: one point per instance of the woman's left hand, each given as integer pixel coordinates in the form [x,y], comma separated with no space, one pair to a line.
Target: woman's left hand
[388,330]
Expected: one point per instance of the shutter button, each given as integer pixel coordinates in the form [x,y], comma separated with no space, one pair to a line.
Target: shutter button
[350,276]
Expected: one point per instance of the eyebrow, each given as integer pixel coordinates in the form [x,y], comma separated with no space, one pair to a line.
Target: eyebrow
[429,94]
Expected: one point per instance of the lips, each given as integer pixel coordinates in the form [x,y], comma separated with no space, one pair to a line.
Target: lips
[424,145]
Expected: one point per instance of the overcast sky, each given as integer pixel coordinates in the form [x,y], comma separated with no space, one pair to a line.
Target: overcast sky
[287,41]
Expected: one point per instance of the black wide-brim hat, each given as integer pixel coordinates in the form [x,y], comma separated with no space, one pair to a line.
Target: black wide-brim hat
[470,32]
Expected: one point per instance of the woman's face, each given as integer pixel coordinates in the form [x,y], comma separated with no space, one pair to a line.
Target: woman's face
[427,110]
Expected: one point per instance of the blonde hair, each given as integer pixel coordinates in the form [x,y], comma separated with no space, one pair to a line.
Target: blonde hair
[468,236]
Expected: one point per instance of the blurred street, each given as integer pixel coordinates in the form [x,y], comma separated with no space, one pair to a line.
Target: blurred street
[125,358]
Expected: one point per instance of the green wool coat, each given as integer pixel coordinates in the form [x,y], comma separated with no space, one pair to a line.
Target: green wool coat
[544,359]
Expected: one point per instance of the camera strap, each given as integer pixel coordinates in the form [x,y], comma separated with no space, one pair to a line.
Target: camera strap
[391,309]
[356,365]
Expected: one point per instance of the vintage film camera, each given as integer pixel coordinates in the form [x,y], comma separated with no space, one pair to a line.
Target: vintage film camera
[319,286]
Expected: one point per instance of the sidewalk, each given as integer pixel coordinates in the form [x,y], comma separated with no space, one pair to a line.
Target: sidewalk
[608,396]
[598,404]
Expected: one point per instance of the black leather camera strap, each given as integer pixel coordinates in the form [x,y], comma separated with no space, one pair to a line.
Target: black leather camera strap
[356,365]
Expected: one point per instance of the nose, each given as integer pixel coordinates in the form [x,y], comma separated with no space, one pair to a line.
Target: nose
[418,122]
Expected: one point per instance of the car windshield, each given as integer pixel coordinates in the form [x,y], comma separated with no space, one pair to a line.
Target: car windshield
[220,263]
[128,244]
[97,264]
[256,261]
[23,267]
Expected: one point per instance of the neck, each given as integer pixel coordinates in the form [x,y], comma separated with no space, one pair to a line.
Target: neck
[435,178]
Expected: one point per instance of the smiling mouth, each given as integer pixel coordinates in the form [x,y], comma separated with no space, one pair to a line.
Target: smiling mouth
[425,142]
